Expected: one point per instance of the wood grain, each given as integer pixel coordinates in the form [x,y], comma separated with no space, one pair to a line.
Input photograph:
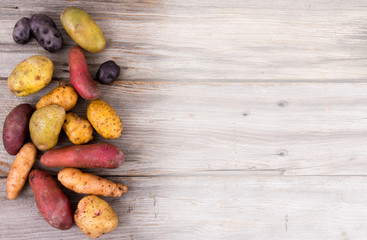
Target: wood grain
[242,119]
[214,208]
[200,128]
[231,40]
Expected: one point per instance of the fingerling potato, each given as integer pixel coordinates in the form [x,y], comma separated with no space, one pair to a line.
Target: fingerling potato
[98,155]
[19,170]
[87,183]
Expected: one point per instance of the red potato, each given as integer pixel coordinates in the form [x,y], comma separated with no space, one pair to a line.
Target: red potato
[80,77]
[98,155]
[15,127]
[51,201]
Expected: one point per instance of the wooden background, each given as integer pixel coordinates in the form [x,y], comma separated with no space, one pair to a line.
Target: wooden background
[242,119]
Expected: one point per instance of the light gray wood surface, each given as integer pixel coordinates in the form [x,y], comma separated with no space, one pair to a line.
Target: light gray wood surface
[242,119]
[176,40]
[213,207]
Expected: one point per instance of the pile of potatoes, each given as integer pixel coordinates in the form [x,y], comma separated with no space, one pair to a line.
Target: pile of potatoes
[51,115]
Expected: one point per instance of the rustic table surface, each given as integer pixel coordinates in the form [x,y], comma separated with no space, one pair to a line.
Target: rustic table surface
[242,119]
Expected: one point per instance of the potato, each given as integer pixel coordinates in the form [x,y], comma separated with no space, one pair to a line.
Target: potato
[94,216]
[51,201]
[19,170]
[80,77]
[98,155]
[65,96]
[22,31]
[86,183]
[104,119]
[15,127]
[82,29]
[108,72]
[78,130]
[45,126]
[45,32]
[31,75]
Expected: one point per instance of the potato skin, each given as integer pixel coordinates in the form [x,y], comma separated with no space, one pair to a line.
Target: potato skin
[45,32]
[22,31]
[19,170]
[108,72]
[87,183]
[45,126]
[64,96]
[94,216]
[80,77]
[82,29]
[15,127]
[104,119]
[98,155]
[78,130]
[30,75]
[51,201]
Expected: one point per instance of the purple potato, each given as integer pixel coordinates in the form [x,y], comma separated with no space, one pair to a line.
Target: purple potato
[46,33]
[16,128]
[108,72]
[22,31]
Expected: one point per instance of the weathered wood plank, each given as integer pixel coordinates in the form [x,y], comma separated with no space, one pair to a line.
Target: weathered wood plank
[181,128]
[282,40]
[209,157]
[213,208]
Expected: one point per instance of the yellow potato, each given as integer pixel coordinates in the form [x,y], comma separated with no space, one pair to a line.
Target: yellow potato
[65,96]
[78,130]
[104,119]
[19,170]
[82,29]
[94,216]
[45,126]
[31,75]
